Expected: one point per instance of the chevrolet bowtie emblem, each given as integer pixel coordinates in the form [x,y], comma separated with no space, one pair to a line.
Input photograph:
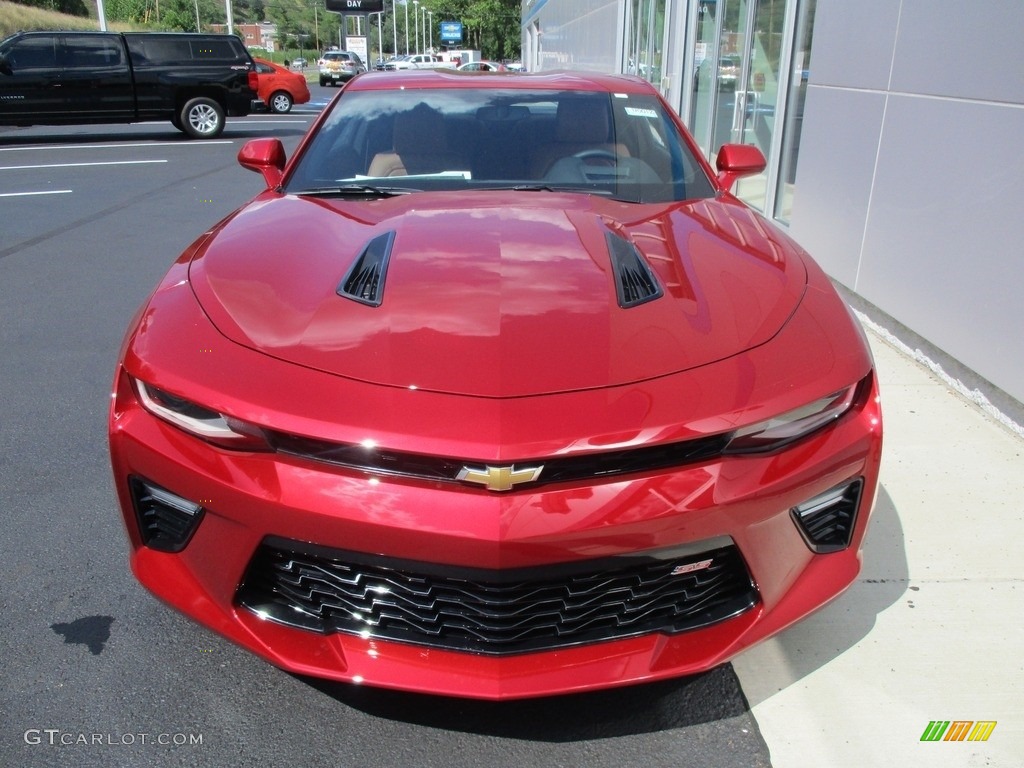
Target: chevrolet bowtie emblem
[499,478]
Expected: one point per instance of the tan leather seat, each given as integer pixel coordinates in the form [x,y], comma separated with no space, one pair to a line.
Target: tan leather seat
[419,145]
[580,125]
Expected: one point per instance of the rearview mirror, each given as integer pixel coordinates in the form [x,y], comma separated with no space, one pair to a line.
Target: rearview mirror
[265,156]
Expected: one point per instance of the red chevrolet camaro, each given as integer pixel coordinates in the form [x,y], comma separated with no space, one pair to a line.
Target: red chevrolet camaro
[495,391]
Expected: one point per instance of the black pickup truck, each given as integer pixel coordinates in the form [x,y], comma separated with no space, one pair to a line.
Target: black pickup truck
[193,80]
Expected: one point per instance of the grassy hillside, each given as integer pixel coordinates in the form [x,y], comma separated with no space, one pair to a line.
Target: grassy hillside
[14,17]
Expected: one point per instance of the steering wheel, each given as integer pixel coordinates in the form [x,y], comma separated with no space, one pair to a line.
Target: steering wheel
[597,154]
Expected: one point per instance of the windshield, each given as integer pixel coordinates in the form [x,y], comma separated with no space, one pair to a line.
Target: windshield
[619,145]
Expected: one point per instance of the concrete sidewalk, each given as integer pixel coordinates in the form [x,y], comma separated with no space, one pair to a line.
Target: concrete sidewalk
[934,627]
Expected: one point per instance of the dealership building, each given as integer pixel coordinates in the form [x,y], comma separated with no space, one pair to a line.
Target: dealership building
[893,131]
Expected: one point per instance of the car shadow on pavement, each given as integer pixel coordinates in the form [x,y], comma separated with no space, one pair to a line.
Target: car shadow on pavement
[627,711]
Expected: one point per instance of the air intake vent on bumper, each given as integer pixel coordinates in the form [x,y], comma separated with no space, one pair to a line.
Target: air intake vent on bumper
[166,520]
[364,281]
[635,283]
[826,521]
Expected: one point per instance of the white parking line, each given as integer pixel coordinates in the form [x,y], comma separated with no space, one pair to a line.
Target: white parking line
[78,165]
[27,194]
[36,148]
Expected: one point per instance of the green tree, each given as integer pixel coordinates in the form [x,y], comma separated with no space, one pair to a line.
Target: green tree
[489,26]
[71,7]
[180,15]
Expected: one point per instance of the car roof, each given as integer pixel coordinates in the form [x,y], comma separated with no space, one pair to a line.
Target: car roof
[451,78]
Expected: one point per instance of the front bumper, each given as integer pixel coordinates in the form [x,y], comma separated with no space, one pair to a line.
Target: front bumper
[341,75]
[252,500]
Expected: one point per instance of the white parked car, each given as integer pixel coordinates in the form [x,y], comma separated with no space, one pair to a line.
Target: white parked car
[417,61]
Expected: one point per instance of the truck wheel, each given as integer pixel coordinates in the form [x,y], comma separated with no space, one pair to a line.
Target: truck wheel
[280,102]
[202,118]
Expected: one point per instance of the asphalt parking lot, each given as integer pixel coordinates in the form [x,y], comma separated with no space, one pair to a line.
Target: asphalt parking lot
[98,673]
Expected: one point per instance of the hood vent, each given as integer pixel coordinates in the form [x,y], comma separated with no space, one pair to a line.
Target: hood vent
[364,281]
[635,283]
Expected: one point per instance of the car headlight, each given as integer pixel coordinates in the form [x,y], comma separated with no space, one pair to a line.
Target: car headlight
[793,425]
[211,426]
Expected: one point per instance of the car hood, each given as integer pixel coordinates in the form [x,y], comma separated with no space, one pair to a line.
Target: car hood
[511,294]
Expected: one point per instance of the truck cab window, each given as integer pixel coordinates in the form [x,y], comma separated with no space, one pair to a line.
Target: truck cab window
[32,53]
[82,51]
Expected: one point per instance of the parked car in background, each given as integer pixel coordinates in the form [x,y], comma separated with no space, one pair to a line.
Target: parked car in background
[417,61]
[496,390]
[280,88]
[728,72]
[394,63]
[482,66]
[338,67]
[299,63]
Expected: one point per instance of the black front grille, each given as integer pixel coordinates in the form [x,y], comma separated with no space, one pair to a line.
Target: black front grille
[497,611]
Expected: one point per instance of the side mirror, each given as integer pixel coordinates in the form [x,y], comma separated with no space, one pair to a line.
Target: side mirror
[264,156]
[5,68]
[736,161]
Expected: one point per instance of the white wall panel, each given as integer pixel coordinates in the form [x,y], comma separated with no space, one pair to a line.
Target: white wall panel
[943,252]
[961,49]
[833,185]
[853,43]
[937,247]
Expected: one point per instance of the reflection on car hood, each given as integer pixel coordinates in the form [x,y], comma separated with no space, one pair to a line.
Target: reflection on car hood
[510,294]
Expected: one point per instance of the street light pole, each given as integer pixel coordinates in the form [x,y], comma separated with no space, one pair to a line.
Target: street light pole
[406,4]
[394,26]
[380,36]
[416,22]
[431,29]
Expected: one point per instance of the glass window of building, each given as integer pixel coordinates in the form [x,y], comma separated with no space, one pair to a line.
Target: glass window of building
[645,39]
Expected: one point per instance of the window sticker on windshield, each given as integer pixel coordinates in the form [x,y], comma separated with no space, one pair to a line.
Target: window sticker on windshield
[640,112]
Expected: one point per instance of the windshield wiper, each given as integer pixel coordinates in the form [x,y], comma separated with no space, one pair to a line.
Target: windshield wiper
[549,188]
[356,190]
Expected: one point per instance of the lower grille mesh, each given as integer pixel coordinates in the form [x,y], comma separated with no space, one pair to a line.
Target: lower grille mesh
[495,612]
